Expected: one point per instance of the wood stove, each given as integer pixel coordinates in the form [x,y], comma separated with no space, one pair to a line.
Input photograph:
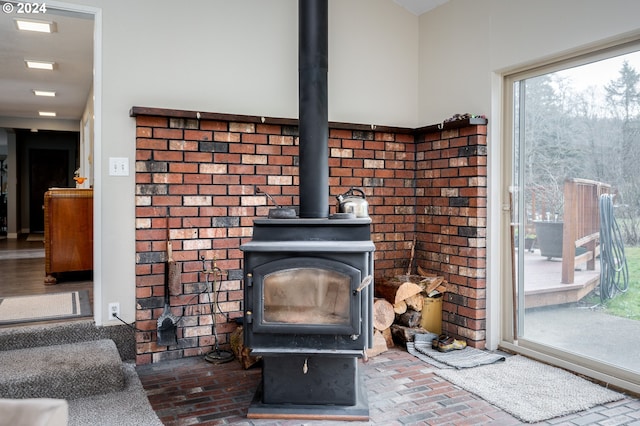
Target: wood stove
[308,297]
[308,313]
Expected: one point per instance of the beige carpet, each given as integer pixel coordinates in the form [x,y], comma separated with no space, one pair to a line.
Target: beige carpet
[530,390]
[42,307]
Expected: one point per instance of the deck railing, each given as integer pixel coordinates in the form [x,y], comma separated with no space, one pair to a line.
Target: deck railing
[581,224]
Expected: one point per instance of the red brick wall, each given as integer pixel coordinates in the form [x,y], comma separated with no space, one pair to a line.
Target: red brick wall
[195,180]
[451,218]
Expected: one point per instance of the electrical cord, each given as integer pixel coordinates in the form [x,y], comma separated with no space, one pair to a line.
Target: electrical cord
[216,355]
[614,273]
[131,326]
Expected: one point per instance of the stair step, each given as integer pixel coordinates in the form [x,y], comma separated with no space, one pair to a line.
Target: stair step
[66,371]
[31,336]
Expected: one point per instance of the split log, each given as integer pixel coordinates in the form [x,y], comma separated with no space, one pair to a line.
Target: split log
[431,283]
[379,344]
[415,302]
[383,314]
[388,337]
[424,273]
[400,307]
[395,291]
[241,352]
[410,318]
[402,335]
[413,254]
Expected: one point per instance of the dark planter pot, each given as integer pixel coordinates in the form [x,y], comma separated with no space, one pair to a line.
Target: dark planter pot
[529,243]
[549,235]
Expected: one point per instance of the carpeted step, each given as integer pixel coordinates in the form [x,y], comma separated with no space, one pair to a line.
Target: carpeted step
[62,371]
[48,334]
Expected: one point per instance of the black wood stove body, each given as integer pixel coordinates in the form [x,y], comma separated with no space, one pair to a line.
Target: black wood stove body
[308,313]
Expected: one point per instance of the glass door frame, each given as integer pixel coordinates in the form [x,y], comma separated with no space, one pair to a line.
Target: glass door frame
[512,318]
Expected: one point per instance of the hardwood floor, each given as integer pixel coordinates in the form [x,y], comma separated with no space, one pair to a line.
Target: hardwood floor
[22,271]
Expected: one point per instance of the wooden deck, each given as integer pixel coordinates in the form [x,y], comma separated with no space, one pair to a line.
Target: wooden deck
[542,281]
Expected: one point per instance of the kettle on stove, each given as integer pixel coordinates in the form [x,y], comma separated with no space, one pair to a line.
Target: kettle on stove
[350,202]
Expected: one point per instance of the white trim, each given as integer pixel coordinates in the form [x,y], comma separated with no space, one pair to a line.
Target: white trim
[97,168]
[570,363]
[494,201]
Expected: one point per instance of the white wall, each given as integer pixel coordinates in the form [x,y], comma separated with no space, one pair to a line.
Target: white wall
[463,42]
[240,57]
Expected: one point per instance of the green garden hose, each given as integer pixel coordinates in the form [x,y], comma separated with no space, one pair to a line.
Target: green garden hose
[614,273]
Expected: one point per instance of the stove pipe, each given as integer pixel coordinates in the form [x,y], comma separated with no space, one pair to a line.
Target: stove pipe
[313,110]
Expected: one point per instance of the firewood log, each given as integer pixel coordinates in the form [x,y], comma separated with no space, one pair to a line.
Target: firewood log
[400,307]
[424,273]
[379,344]
[402,335]
[388,337]
[410,318]
[395,291]
[431,283]
[241,352]
[383,314]
[415,302]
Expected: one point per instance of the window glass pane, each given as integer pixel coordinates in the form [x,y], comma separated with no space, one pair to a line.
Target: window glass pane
[307,296]
[576,209]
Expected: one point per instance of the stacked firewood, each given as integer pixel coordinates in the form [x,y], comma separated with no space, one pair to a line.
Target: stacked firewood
[397,308]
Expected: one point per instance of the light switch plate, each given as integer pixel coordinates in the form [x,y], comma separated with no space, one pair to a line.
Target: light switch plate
[118,166]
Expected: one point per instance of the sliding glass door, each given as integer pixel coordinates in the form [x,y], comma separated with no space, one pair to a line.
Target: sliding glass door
[575,209]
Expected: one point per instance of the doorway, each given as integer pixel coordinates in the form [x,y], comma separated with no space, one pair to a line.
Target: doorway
[48,168]
[573,167]
[77,102]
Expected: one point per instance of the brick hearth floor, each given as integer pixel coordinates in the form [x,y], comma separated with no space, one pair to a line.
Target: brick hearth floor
[402,390]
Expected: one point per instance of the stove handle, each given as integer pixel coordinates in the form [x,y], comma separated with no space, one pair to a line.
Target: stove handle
[365,282]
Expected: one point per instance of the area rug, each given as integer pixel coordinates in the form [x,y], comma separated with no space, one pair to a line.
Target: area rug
[22,254]
[462,358]
[44,307]
[530,390]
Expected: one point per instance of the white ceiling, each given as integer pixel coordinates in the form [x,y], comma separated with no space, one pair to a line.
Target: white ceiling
[71,47]
[418,7]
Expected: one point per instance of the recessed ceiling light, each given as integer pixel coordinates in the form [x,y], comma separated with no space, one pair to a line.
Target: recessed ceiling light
[37,26]
[47,114]
[44,93]
[40,65]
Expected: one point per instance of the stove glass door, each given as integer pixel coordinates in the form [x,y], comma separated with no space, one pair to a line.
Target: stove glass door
[307,296]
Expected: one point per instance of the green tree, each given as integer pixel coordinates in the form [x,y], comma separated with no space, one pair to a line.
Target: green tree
[623,98]
[622,93]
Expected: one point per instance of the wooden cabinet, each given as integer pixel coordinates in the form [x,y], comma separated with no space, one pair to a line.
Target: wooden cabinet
[68,231]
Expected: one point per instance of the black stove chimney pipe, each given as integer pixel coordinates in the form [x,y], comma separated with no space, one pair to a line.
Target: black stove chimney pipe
[313,23]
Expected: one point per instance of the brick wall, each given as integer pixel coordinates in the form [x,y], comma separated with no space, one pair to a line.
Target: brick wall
[195,180]
[451,218]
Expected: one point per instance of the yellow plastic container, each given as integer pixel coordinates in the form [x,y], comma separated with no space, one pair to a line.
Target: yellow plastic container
[432,314]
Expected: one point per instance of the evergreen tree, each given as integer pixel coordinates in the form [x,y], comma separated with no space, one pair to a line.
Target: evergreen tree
[623,97]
